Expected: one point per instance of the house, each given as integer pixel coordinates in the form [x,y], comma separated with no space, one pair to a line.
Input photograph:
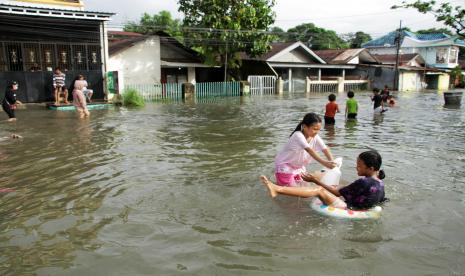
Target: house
[293,62]
[37,36]
[414,74]
[355,57]
[438,50]
[151,59]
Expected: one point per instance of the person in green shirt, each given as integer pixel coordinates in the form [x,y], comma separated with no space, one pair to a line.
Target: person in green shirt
[351,106]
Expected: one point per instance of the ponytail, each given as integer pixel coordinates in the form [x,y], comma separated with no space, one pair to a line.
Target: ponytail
[308,120]
[298,128]
[381,174]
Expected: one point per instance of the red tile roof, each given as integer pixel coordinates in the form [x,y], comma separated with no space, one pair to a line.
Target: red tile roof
[328,55]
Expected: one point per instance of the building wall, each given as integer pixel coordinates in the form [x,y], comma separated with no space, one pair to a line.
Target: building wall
[378,76]
[139,64]
[410,81]
[443,83]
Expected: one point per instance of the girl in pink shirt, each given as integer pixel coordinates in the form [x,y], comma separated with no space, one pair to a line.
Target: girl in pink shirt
[300,150]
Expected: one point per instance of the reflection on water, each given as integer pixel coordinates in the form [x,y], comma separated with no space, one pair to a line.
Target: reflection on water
[174,188]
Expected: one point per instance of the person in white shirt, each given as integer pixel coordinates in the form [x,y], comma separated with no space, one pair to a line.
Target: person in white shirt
[302,147]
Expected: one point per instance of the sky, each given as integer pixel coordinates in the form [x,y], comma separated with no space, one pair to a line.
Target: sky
[343,16]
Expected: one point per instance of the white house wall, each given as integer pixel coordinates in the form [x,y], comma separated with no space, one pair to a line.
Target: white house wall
[139,64]
[295,55]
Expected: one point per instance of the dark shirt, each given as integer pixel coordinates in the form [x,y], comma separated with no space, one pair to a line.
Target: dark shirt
[364,193]
[10,97]
[385,95]
[377,99]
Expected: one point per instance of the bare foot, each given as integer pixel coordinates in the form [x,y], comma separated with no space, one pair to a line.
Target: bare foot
[269,185]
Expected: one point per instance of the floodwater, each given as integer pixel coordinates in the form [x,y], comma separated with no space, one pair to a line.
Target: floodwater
[173,189]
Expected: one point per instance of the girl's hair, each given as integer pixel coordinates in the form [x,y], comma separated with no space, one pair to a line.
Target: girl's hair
[308,120]
[372,159]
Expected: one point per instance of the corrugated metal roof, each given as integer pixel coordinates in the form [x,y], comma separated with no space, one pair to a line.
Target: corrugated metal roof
[52,12]
[389,39]
[391,59]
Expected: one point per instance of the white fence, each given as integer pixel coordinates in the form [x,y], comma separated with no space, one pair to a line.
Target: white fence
[355,85]
[262,84]
[323,86]
[336,86]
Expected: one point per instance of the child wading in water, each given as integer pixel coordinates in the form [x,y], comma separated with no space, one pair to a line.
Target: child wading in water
[300,150]
[377,99]
[363,193]
[351,106]
[331,109]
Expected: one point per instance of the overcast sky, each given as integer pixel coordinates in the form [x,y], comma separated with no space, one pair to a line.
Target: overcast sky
[371,16]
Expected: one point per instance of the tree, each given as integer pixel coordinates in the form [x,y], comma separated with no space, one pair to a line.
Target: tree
[434,30]
[279,35]
[355,40]
[449,15]
[222,29]
[158,22]
[316,38]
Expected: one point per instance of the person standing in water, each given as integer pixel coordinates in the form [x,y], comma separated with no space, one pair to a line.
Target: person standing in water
[302,147]
[9,101]
[79,100]
[351,106]
[377,99]
[331,109]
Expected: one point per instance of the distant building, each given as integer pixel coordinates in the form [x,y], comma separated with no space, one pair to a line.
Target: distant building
[151,59]
[438,50]
[37,36]
[294,63]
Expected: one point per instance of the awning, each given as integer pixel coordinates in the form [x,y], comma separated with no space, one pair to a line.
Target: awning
[168,64]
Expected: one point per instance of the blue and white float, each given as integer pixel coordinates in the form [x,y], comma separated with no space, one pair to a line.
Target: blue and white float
[332,177]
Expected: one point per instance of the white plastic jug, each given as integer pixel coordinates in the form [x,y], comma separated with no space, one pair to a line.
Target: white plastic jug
[332,176]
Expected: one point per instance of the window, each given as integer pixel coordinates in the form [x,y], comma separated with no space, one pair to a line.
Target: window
[33,56]
[454,52]
[441,55]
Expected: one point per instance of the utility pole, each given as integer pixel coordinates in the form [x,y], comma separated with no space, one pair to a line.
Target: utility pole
[396,67]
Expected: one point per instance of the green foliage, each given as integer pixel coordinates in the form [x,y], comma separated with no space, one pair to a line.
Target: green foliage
[456,77]
[222,29]
[150,24]
[279,35]
[355,40]
[449,15]
[317,38]
[131,98]
[435,31]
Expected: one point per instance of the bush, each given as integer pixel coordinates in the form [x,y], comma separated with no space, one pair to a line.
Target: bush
[132,98]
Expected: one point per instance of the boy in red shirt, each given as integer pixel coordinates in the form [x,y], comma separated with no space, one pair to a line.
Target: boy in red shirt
[331,109]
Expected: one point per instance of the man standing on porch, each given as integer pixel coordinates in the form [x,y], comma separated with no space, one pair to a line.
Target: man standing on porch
[59,80]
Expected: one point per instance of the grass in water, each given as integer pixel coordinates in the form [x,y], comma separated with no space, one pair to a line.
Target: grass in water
[131,98]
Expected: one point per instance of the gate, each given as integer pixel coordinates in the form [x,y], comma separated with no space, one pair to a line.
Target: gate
[262,84]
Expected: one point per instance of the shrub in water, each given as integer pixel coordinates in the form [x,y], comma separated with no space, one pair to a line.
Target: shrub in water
[132,98]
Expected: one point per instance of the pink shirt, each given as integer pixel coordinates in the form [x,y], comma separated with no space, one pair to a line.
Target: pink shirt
[80,85]
[293,158]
